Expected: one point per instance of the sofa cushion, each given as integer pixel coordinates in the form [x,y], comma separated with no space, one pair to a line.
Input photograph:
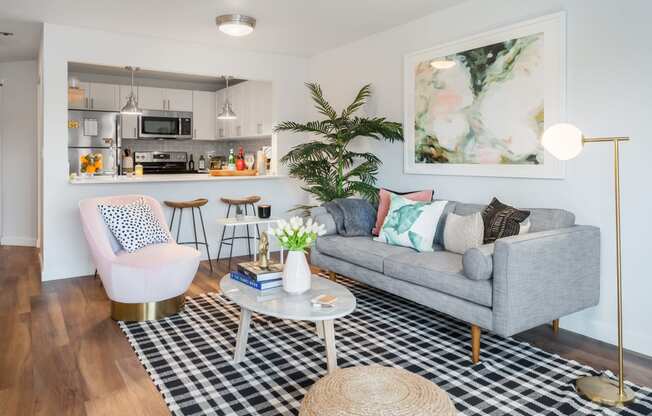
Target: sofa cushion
[441,271]
[542,219]
[361,251]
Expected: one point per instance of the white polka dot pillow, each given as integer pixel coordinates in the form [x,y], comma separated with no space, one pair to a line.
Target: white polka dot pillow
[134,225]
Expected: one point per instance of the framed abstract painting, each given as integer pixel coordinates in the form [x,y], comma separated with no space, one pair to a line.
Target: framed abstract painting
[479,106]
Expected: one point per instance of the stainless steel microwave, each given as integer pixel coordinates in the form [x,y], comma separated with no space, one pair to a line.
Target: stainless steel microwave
[165,125]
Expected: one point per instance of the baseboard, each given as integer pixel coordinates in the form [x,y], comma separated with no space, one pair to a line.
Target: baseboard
[606,332]
[18,241]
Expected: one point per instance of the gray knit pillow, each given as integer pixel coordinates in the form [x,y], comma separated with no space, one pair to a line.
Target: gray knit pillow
[463,232]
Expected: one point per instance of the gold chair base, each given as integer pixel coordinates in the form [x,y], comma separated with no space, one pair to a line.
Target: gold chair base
[603,391]
[147,311]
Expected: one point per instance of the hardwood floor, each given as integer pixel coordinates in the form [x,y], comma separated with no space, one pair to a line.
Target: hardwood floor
[60,353]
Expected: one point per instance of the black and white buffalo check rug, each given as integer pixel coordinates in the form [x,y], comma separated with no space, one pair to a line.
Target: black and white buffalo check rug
[189,358]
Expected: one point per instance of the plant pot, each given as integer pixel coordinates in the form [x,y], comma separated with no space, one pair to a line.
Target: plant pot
[296,273]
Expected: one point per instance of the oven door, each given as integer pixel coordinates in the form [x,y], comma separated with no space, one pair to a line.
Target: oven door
[159,127]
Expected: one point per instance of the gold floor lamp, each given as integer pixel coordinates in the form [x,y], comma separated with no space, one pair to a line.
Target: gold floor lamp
[565,141]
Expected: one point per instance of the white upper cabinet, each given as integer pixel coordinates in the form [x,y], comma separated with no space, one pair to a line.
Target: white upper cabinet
[204,115]
[178,100]
[151,98]
[252,103]
[78,98]
[94,96]
[104,97]
[128,122]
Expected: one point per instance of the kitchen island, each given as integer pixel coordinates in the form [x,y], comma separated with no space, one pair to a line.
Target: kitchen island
[181,177]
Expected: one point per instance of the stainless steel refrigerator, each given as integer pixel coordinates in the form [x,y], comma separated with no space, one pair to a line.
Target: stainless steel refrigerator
[94,132]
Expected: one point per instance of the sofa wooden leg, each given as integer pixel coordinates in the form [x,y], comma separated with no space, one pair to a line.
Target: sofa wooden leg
[555,326]
[475,343]
[332,276]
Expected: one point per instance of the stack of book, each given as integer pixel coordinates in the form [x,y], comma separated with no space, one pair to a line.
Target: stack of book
[252,275]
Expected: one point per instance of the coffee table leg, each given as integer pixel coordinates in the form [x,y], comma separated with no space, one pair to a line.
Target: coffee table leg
[329,340]
[319,329]
[243,333]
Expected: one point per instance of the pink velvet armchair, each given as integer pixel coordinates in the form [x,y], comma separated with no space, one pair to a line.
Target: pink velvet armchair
[149,283]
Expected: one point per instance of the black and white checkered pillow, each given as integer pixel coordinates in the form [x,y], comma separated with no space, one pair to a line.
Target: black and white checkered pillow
[134,225]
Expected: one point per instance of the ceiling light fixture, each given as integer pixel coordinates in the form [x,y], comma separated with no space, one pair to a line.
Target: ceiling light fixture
[227,112]
[132,103]
[442,63]
[235,24]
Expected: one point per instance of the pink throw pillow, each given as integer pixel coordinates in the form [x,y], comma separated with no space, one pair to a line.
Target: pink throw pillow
[384,198]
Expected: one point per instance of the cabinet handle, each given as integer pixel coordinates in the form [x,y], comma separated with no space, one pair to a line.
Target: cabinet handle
[239,130]
[168,104]
[92,103]
[164,104]
[259,128]
[135,133]
[85,102]
[194,133]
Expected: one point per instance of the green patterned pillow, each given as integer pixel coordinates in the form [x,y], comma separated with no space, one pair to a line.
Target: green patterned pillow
[411,223]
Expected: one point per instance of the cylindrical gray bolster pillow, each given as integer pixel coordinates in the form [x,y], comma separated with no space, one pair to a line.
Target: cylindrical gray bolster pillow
[478,262]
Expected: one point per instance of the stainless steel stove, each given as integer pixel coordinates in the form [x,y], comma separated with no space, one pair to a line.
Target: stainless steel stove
[163,162]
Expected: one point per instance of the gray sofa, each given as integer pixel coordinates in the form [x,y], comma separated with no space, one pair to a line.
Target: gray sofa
[513,285]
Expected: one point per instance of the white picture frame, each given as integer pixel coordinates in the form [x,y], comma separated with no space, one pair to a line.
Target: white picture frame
[553,27]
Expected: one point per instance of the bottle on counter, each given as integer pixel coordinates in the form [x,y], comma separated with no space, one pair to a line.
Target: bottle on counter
[231,161]
[127,162]
[202,163]
[191,164]
[240,162]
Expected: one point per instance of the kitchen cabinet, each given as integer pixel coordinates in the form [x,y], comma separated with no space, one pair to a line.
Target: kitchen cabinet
[78,97]
[252,103]
[204,115]
[178,100]
[104,97]
[152,98]
[93,96]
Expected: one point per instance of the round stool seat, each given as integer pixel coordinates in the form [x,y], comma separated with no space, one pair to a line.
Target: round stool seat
[196,203]
[375,390]
[241,201]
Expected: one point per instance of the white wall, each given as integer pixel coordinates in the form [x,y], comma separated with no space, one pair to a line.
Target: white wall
[64,249]
[609,93]
[18,140]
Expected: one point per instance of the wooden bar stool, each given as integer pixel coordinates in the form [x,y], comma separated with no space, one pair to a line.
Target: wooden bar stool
[180,205]
[246,202]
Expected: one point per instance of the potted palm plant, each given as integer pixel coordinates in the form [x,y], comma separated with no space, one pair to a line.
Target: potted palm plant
[327,166]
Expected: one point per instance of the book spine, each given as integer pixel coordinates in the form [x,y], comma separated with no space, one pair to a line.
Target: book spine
[260,278]
[245,279]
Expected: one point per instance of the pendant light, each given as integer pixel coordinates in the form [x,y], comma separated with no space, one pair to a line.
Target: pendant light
[132,103]
[227,112]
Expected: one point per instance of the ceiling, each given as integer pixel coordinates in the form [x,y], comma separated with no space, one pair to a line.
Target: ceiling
[23,44]
[292,27]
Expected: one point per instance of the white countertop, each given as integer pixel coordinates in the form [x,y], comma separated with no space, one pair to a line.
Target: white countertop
[189,177]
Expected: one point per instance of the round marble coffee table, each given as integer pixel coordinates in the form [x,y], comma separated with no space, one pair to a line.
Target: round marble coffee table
[279,304]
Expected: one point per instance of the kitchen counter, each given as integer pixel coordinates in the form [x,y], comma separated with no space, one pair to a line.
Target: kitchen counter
[189,177]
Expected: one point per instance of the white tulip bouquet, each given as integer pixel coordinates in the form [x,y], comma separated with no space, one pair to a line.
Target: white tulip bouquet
[297,235]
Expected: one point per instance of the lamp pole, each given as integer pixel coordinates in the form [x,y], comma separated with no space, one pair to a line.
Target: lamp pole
[601,389]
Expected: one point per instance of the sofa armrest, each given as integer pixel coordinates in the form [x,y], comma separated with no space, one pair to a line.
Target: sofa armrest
[543,276]
[321,216]
[478,262]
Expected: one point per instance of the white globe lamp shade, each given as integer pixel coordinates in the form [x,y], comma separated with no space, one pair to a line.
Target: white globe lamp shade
[563,140]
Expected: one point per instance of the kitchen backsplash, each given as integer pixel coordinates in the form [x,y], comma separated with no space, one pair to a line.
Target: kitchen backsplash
[196,147]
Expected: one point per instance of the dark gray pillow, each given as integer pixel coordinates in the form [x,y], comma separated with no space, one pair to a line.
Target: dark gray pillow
[352,216]
[501,220]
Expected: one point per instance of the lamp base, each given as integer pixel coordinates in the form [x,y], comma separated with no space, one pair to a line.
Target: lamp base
[604,391]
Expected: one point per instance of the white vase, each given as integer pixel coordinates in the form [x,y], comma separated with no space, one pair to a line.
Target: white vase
[296,273]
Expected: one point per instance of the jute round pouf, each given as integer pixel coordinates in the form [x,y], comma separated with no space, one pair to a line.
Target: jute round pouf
[375,391]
